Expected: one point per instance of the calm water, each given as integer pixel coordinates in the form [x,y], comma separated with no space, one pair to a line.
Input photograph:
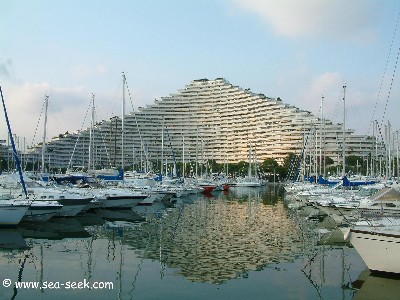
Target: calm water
[244,244]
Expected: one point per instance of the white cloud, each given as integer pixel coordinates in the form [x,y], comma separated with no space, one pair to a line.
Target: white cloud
[24,103]
[339,19]
[323,83]
[327,85]
[83,71]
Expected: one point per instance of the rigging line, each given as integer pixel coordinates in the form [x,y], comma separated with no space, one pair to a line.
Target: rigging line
[387,98]
[335,112]
[102,137]
[355,118]
[36,130]
[129,93]
[384,72]
[115,96]
[170,144]
[391,85]
[299,159]
[143,148]
[37,125]
[54,119]
[105,146]
[77,140]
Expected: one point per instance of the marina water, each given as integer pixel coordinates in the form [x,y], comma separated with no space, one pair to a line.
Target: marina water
[239,244]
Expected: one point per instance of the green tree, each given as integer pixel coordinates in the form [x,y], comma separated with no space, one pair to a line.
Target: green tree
[287,161]
[269,165]
[328,161]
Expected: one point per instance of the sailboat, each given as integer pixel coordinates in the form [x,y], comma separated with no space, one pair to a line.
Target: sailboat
[377,242]
[12,211]
[111,197]
[250,180]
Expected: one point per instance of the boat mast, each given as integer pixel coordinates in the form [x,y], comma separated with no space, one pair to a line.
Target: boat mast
[320,137]
[183,156]
[316,151]
[46,103]
[162,148]
[249,171]
[91,137]
[376,147]
[123,120]
[389,155]
[133,157]
[15,153]
[397,154]
[197,150]
[344,131]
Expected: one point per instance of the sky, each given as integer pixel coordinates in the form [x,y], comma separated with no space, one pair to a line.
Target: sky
[298,50]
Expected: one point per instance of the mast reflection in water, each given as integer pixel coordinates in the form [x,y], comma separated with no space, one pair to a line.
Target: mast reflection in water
[241,244]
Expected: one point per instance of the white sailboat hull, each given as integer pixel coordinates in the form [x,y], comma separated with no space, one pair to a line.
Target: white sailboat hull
[73,206]
[379,250]
[42,213]
[71,210]
[122,203]
[248,184]
[11,215]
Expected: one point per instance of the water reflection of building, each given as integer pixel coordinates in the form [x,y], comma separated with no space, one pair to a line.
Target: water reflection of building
[217,240]
[209,241]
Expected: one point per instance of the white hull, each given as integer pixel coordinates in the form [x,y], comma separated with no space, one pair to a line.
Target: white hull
[42,211]
[122,203]
[248,181]
[248,184]
[71,210]
[40,214]
[11,215]
[379,250]
[118,198]
[378,212]
[71,207]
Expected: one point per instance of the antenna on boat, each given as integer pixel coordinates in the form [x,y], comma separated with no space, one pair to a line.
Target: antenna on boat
[13,145]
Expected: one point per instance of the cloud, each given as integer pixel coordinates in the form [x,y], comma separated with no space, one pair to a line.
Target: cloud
[339,19]
[360,101]
[24,104]
[83,71]
[327,85]
[323,83]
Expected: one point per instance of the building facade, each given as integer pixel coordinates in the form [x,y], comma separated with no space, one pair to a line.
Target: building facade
[208,119]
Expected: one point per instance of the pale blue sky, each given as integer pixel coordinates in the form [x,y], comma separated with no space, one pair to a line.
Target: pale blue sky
[298,50]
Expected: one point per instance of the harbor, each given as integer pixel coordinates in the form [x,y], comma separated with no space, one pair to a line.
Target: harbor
[241,243]
[200,150]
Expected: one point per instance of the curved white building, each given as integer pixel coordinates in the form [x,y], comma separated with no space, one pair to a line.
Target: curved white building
[208,119]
